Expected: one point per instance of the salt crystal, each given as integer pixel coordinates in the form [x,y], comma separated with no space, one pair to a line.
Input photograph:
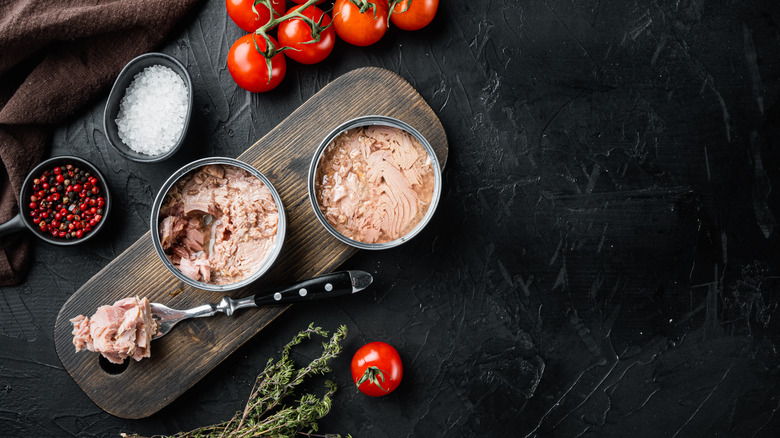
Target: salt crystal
[152,112]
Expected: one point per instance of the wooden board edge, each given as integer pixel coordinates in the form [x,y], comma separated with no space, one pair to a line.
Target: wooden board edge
[62,323]
[442,155]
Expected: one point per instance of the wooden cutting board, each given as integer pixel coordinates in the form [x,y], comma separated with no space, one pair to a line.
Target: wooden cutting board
[195,347]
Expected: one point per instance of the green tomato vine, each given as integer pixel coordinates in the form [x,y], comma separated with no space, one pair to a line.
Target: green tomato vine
[270,48]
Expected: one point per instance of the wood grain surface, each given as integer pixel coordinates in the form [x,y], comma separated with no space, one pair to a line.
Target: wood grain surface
[195,347]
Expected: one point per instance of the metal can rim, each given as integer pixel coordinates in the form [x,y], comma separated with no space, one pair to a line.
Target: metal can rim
[369,120]
[155,217]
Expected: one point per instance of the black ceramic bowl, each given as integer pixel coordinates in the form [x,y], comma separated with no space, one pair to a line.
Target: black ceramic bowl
[23,219]
[118,92]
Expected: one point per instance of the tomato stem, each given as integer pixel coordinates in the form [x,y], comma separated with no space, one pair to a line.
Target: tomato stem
[266,3]
[370,374]
[270,49]
[392,4]
[363,5]
[268,46]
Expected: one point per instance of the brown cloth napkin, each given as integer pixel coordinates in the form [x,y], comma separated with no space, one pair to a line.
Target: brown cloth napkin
[56,57]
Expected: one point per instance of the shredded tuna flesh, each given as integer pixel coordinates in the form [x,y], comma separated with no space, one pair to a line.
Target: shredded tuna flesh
[119,331]
[374,184]
[218,224]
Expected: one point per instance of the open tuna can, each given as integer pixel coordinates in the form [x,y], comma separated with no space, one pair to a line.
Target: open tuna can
[374,182]
[218,224]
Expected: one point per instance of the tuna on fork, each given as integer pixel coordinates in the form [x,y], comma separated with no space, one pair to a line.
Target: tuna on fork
[118,331]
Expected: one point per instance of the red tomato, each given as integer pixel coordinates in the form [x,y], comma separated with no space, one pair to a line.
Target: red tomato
[300,2]
[377,369]
[248,66]
[296,33]
[240,11]
[419,14]
[360,28]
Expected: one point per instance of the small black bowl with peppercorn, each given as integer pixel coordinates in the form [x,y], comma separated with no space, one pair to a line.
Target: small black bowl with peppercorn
[64,201]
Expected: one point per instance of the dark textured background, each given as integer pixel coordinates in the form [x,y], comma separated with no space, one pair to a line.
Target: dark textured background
[604,260]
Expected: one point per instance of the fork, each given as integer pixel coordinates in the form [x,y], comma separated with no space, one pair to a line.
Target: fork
[325,286]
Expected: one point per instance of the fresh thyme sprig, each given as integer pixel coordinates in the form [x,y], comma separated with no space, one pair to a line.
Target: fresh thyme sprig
[265,414]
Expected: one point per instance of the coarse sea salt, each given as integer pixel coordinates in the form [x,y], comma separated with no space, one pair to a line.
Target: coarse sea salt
[152,112]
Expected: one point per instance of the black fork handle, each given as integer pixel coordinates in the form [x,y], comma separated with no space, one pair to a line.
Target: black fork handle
[325,286]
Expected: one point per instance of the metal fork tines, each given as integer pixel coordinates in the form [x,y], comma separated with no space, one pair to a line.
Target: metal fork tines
[167,318]
[324,286]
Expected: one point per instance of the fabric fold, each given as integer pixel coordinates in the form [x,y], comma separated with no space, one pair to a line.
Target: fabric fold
[57,58]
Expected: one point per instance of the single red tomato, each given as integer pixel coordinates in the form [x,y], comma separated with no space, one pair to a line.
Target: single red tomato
[377,369]
[249,68]
[418,15]
[296,33]
[360,28]
[240,11]
[300,2]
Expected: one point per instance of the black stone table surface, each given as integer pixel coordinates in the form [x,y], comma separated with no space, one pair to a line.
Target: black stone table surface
[604,260]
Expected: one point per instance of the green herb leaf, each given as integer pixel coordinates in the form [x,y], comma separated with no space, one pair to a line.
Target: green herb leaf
[265,414]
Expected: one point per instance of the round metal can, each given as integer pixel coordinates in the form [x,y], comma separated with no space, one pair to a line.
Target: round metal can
[155,220]
[370,120]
